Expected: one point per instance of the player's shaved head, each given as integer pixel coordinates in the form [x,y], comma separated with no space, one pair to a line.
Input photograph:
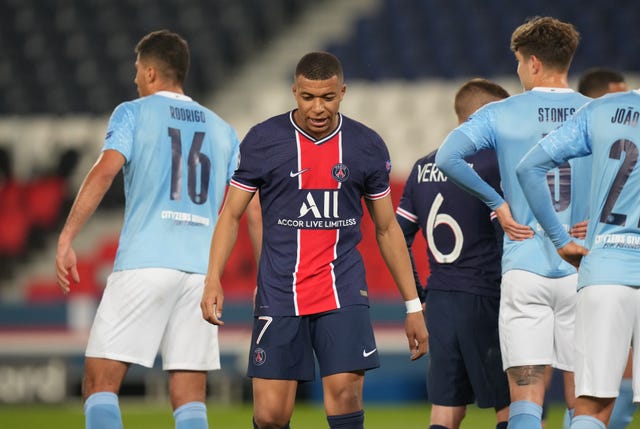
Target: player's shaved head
[474,94]
[319,66]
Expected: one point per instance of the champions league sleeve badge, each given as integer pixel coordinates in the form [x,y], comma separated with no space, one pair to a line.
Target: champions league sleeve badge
[340,172]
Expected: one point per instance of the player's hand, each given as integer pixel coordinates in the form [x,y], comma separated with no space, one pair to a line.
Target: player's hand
[212,301]
[66,263]
[513,229]
[573,253]
[417,334]
[579,230]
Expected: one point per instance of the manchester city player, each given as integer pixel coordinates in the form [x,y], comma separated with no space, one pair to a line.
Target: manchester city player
[312,167]
[538,288]
[177,157]
[607,314]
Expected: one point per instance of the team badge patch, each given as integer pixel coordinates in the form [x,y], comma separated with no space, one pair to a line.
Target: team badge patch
[340,172]
[259,356]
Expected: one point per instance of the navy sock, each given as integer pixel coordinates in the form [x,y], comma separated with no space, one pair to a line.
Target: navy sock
[347,421]
[502,425]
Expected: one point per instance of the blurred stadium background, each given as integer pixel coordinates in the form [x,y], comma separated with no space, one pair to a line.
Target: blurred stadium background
[65,64]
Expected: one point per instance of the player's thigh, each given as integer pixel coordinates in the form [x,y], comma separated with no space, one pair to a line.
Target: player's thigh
[479,341]
[343,340]
[133,314]
[605,322]
[281,348]
[526,320]
[190,342]
[448,382]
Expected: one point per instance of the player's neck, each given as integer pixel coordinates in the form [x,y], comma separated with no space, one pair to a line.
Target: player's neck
[552,80]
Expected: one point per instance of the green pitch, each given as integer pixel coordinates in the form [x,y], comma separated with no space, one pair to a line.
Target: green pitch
[140,415]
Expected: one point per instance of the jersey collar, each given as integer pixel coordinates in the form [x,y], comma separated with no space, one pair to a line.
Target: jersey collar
[313,139]
[547,89]
[173,95]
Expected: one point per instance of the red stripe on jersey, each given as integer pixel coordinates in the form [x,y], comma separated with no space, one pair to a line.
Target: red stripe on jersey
[315,288]
[317,161]
[314,283]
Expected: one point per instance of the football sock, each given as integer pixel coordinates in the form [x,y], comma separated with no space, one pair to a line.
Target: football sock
[568,416]
[192,415]
[502,425]
[347,421]
[525,415]
[101,411]
[586,422]
[624,407]
[437,427]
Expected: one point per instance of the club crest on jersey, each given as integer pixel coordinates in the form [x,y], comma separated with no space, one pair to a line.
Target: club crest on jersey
[340,172]
[259,356]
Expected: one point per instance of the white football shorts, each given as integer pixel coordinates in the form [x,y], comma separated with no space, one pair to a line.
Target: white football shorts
[151,310]
[536,320]
[606,321]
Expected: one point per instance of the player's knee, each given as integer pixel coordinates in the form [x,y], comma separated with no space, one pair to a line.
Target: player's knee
[270,420]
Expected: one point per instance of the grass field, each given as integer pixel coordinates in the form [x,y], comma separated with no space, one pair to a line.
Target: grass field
[140,415]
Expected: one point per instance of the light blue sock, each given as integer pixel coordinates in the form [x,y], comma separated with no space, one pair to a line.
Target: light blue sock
[586,422]
[192,415]
[525,415]
[568,416]
[624,407]
[102,411]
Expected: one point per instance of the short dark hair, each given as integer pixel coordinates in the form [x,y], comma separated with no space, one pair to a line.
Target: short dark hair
[552,41]
[319,66]
[595,81]
[474,94]
[169,51]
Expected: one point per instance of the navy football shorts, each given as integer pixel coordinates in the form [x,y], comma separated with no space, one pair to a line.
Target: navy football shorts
[283,347]
[465,364]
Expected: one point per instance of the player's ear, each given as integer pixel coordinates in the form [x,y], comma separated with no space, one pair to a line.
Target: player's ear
[535,64]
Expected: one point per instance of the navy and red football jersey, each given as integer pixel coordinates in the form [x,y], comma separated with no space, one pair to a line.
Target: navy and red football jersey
[463,249]
[311,196]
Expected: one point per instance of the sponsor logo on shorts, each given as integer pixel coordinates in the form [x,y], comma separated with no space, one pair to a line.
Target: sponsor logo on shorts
[259,356]
[366,353]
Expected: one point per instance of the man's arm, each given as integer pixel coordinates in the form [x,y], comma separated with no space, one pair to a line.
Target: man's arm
[531,172]
[95,185]
[394,252]
[224,238]
[450,160]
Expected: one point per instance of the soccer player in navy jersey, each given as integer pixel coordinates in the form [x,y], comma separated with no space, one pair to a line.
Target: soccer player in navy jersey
[607,315]
[538,289]
[177,157]
[463,288]
[312,167]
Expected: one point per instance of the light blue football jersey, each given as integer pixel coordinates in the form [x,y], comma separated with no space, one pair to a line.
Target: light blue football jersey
[179,158]
[511,127]
[608,129]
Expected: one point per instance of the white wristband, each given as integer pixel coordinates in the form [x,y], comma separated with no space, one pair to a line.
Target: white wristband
[413,306]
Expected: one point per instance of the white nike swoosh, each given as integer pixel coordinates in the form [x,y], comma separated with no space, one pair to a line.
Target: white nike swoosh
[297,173]
[367,354]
